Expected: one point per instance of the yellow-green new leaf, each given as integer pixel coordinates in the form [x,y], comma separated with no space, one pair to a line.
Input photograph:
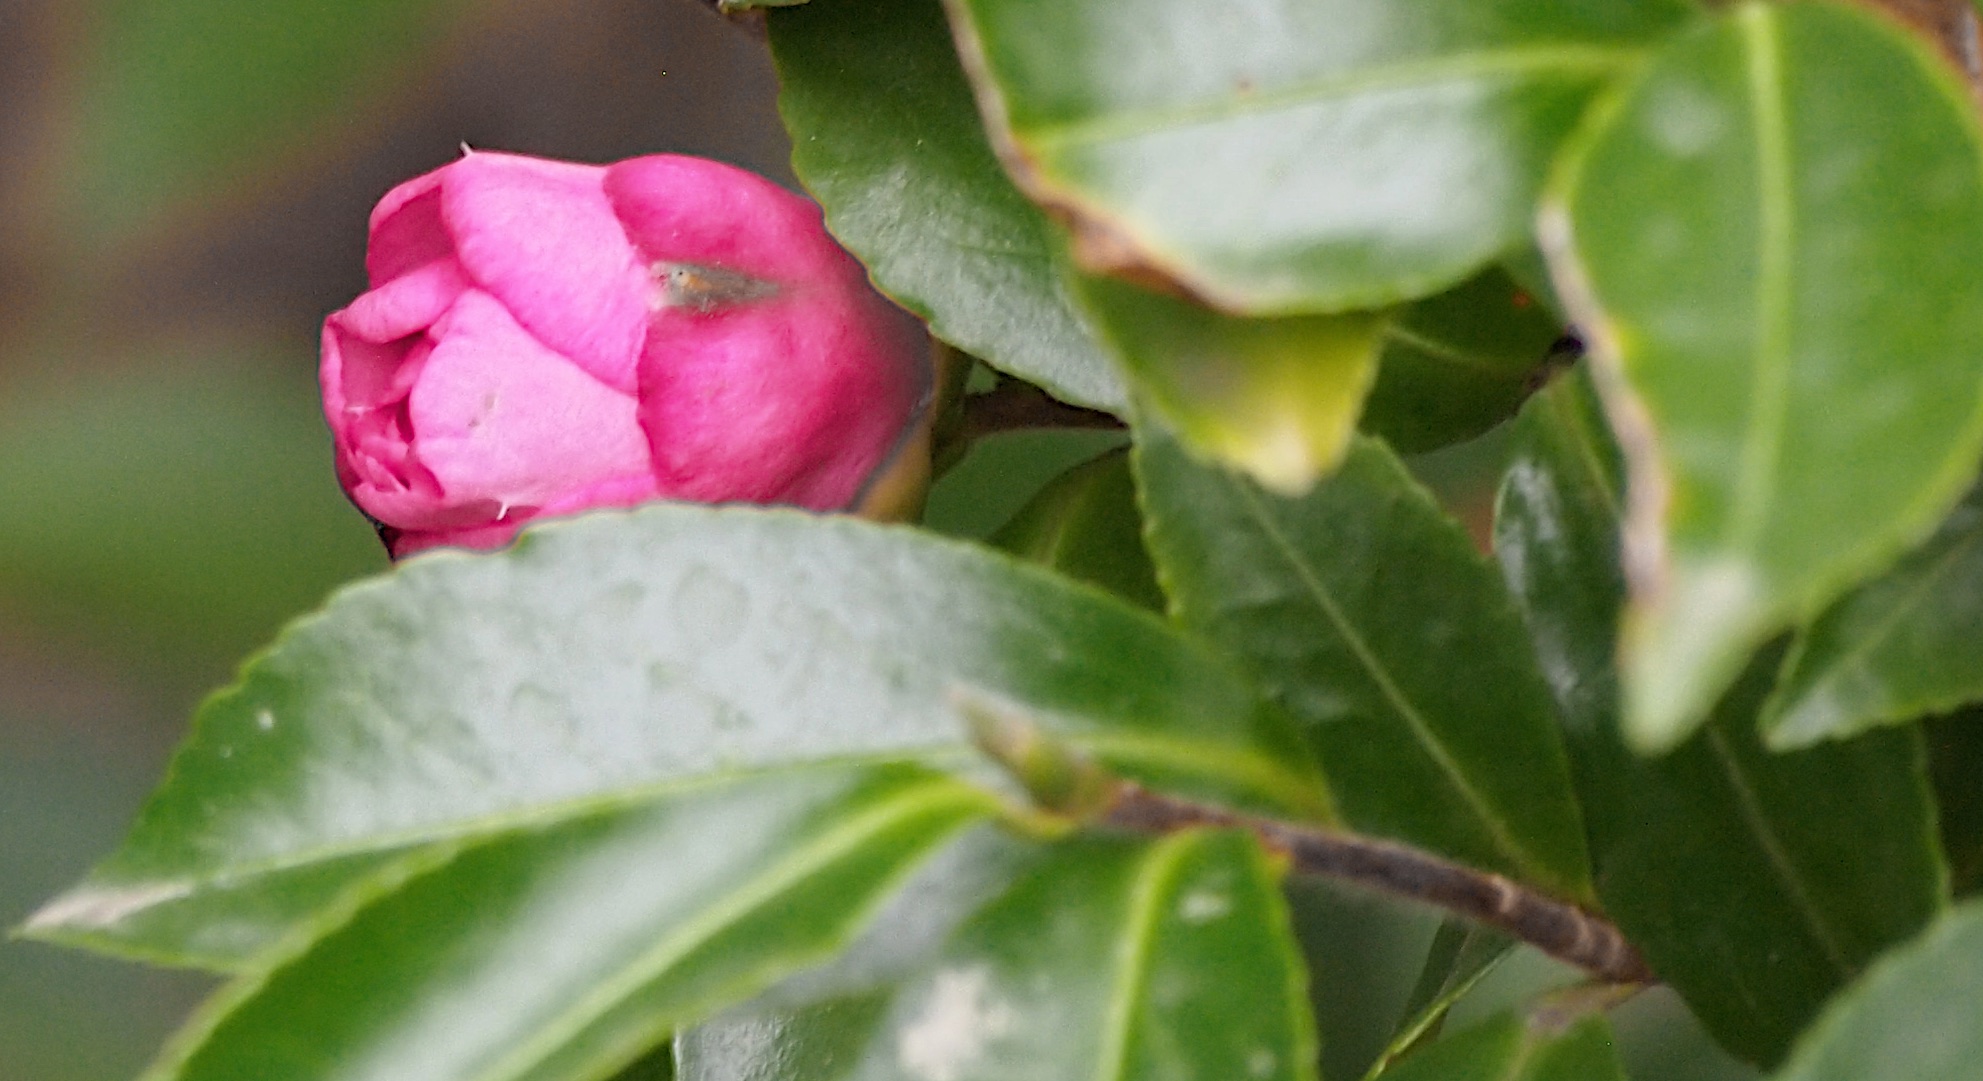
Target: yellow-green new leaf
[1277,398]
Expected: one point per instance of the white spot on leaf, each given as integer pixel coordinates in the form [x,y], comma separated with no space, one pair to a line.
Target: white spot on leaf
[1203,906]
[961,1019]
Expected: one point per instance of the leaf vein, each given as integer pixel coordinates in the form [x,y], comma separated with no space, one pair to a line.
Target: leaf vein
[753,895]
[1145,897]
[1758,822]
[1770,382]
[1387,687]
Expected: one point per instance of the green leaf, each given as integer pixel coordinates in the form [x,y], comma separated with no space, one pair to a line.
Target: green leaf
[885,137]
[1912,1017]
[1461,955]
[1278,398]
[1459,363]
[1168,958]
[1086,525]
[1300,155]
[1894,649]
[179,95]
[815,1042]
[1955,761]
[1000,473]
[1754,883]
[1511,1047]
[828,1014]
[1366,612]
[568,950]
[1797,367]
[624,653]
[656,1065]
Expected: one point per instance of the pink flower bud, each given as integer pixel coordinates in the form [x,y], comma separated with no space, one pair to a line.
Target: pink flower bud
[544,337]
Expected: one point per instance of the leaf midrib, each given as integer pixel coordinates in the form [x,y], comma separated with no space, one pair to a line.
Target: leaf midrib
[1769,386]
[1531,62]
[1446,353]
[928,799]
[1394,695]
[1205,759]
[1145,896]
[484,827]
[1757,819]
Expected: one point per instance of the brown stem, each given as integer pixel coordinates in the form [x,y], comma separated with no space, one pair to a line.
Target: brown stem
[1557,928]
[1013,406]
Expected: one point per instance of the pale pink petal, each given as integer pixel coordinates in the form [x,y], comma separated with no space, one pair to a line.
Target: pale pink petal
[688,210]
[406,230]
[407,304]
[498,418]
[541,237]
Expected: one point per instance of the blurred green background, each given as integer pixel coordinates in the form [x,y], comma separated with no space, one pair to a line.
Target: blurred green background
[183,193]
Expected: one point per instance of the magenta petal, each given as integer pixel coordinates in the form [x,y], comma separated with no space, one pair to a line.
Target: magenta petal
[484,536]
[689,210]
[407,304]
[406,229]
[498,418]
[541,237]
[357,372]
[796,402]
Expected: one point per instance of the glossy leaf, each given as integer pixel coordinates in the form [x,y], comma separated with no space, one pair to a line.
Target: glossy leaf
[1277,398]
[1366,612]
[1461,955]
[628,652]
[829,1013]
[1299,155]
[177,95]
[1896,648]
[569,950]
[885,137]
[1457,364]
[1911,1018]
[1754,883]
[819,1041]
[1798,367]
[1086,525]
[1511,1047]
[1125,959]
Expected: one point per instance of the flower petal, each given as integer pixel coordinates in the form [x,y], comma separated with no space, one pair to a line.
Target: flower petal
[357,372]
[407,304]
[498,418]
[406,229]
[688,210]
[541,237]
[795,402]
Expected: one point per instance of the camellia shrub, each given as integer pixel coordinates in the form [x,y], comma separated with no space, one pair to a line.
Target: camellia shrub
[766,790]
